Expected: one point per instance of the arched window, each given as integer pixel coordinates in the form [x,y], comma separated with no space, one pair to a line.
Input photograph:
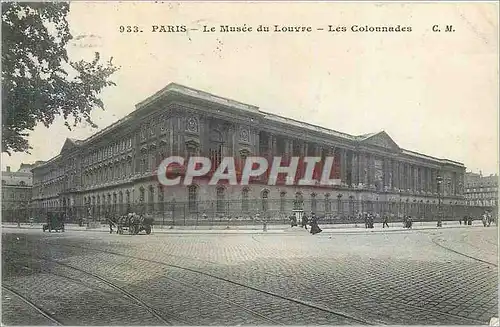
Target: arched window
[244,200]
[220,204]
[328,203]
[265,199]
[141,194]
[340,206]
[282,201]
[313,202]
[193,198]
[216,148]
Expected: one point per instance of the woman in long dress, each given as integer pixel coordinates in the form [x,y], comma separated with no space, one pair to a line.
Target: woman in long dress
[314,225]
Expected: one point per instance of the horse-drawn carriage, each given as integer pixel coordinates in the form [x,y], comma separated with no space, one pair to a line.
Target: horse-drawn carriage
[55,221]
[134,223]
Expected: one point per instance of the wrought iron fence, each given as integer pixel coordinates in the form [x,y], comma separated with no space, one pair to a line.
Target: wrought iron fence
[184,213]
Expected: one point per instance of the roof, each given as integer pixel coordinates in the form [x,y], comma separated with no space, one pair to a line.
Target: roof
[22,177]
[174,88]
[301,124]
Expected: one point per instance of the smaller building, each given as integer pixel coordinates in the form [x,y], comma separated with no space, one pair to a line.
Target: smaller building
[16,193]
[482,191]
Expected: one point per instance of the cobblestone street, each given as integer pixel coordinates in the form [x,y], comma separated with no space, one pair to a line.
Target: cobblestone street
[446,276]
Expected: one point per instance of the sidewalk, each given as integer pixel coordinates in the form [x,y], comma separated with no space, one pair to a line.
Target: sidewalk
[257,229]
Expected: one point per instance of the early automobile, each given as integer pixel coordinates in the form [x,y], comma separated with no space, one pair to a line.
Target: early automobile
[55,222]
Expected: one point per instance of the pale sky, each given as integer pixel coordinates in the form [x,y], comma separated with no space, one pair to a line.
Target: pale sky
[435,93]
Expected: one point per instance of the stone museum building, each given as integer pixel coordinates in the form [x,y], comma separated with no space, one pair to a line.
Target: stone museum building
[114,170]
[16,193]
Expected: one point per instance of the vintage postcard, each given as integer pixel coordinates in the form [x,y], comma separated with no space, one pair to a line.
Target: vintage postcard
[250,163]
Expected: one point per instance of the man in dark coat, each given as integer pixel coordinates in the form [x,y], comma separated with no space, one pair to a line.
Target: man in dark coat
[304,221]
[293,220]
[386,221]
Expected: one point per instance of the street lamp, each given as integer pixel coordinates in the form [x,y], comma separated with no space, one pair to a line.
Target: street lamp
[439,181]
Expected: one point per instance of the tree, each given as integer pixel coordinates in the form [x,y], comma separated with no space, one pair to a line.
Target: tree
[39,82]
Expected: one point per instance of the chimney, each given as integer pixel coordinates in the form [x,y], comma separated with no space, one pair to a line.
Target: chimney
[8,169]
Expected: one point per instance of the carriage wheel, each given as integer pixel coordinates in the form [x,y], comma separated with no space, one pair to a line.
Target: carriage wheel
[148,229]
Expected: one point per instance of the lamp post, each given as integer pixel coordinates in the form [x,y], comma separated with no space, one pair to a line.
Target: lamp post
[439,181]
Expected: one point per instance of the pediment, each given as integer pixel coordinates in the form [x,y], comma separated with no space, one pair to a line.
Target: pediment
[382,140]
[68,144]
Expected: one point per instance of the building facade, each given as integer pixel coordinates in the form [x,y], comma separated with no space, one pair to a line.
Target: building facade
[16,193]
[114,170]
[481,191]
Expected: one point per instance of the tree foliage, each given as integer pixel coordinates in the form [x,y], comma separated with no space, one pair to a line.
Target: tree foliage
[39,82]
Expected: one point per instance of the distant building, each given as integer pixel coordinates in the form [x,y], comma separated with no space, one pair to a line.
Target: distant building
[481,191]
[16,192]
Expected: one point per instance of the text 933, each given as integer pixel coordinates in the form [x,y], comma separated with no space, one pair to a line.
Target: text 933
[130,29]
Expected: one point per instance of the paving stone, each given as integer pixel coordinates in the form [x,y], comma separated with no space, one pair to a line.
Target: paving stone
[383,278]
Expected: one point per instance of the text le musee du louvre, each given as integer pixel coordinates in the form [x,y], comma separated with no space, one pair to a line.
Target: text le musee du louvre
[281,28]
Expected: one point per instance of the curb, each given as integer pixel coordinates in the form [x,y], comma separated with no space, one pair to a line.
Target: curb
[288,231]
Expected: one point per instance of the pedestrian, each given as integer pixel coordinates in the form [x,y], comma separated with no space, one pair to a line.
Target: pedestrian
[386,222]
[111,223]
[409,222]
[366,219]
[484,219]
[314,224]
[293,220]
[304,221]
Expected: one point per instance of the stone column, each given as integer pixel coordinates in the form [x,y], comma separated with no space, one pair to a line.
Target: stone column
[371,170]
[418,180]
[317,150]
[385,172]
[330,151]
[287,149]
[401,176]
[343,164]
[270,144]
[395,174]
[405,176]
[354,169]
[414,180]
[390,176]
[429,180]
[423,176]
[366,170]
[434,180]
[410,177]
[255,141]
